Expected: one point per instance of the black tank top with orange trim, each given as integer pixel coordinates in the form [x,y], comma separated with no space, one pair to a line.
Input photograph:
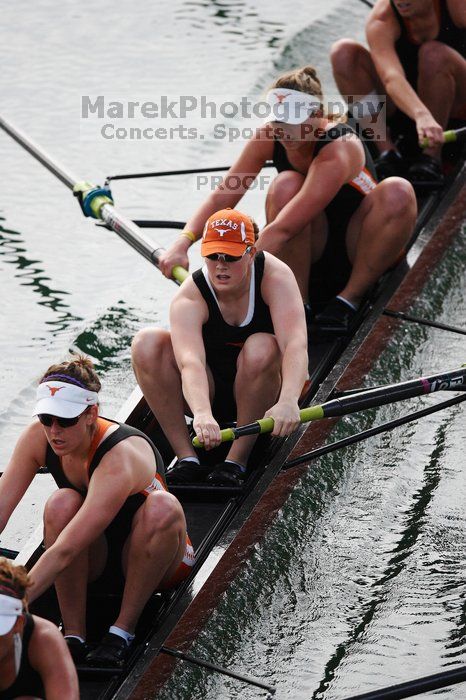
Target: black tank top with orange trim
[222,341]
[27,682]
[348,198]
[53,462]
[407,49]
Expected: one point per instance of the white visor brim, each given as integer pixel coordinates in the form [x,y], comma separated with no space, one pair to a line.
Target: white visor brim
[291,106]
[63,400]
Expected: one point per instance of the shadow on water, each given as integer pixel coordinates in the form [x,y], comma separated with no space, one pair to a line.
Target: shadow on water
[234,17]
[109,337]
[415,517]
[32,275]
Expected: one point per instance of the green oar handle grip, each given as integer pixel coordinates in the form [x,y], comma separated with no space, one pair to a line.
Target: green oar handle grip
[265,425]
[227,435]
[179,273]
[450,136]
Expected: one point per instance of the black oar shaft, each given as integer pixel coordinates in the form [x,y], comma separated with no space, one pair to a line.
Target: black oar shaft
[423,321]
[218,669]
[415,687]
[359,401]
[185,171]
[8,553]
[371,432]
[383,395]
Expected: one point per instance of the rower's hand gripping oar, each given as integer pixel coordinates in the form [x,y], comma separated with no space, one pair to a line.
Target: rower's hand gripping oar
[96,202]
[360,401]
[450,136]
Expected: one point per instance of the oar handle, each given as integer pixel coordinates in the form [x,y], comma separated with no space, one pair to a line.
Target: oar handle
[264,425]
[359,401]
[179,274]
[449,136]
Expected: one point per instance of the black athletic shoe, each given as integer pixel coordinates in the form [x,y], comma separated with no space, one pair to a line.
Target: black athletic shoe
[78,650]
[336,318]
[112,652]
[226,474]
[388,164]
[426,170]
[185,473]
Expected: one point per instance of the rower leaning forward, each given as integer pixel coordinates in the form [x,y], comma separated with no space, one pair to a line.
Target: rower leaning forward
[236,351]
[417,56]
[327,216]
[111,517]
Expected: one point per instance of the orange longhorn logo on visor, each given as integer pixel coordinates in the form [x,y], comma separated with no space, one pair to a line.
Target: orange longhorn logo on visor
[280,98]
[53,389]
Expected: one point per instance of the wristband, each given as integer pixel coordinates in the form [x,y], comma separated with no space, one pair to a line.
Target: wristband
[189,235]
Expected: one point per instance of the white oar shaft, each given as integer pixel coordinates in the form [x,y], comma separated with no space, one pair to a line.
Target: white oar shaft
[123,227]
[129,232]
[56,168]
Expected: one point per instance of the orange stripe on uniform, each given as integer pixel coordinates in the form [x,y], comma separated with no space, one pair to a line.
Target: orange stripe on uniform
[364,182]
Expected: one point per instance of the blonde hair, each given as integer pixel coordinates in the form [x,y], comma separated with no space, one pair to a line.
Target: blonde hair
[14,581]
[303,79]
[79,368]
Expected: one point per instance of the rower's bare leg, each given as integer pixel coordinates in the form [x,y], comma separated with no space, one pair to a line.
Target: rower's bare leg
[377,234]
[71,584]
[152,554]
[355,75]
[307,244]
[257,386]
[158,376]
[441,83]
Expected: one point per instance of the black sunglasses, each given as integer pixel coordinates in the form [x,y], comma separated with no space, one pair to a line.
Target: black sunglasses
[47,420]
[227,258]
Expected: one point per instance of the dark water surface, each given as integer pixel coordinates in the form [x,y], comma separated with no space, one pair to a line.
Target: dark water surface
[360,582]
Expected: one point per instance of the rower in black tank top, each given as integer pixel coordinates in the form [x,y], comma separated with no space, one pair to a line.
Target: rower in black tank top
[408,53]
[223,342]
[407,49]
[28,682]
[331,272]
[119,529]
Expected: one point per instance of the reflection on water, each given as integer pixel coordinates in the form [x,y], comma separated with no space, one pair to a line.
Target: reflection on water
[32,275]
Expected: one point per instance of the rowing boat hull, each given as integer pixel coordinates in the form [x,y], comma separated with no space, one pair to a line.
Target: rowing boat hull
[225,524]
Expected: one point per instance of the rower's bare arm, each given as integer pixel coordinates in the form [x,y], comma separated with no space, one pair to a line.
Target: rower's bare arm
[382,31]
[227,194]
[336,164]
[188,313]
[109,487]
[457,9]
[50,657]
[280,291]
[28,456]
